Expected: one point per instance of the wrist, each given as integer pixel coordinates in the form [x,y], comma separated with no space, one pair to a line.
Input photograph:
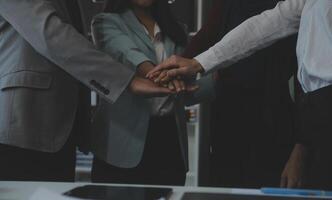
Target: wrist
[144,68]
[198,67]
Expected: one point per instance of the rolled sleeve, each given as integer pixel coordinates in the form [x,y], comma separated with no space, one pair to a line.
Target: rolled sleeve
[254,34]
[208,60]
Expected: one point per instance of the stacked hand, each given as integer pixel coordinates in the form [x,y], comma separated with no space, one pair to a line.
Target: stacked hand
[174,68]
[144,87]
[154,87]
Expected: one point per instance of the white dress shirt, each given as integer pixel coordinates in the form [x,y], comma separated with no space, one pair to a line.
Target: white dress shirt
[311,18]
[158,43]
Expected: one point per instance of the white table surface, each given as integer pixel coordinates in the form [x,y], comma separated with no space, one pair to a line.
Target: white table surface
[23,190]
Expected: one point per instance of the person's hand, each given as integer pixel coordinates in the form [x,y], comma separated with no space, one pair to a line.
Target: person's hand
[144,87]
[144,68]
[181,86]
[175,85]
[294,171]
[174,68]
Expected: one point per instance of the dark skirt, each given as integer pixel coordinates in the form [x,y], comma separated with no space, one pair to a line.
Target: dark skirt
[162,162]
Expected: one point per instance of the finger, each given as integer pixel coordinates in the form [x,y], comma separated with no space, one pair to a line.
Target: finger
[166,79]
[161,76]
[165,85]
[177,85]
[154,75]
[184,71]
[171,86]
[166,65]
[183,86]
[192,88]
[146,88]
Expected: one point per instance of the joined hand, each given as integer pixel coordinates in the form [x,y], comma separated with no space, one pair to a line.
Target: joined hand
[144,87]
[175,67]
[151,88]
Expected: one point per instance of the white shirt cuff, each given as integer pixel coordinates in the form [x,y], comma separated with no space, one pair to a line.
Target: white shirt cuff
[208,60]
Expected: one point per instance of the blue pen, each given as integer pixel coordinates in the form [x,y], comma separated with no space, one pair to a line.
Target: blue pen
[298,192]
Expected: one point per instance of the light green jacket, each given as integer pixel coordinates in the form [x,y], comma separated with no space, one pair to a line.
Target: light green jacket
[120,129]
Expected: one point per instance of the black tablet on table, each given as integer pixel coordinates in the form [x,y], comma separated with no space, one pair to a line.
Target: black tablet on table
[119,193]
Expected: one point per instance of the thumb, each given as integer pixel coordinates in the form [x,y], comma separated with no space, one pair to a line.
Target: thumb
[183,71]
[192,88]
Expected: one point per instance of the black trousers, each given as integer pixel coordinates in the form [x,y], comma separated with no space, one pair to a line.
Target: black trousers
[247,150]
[315,109]
[162,163]
[19,164]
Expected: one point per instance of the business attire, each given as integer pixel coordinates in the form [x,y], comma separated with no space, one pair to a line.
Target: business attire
[311,19]
[137,140]
[252,97]
[44,60]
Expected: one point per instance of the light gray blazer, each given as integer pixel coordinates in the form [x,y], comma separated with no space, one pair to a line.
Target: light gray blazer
[42,60]
[119,131]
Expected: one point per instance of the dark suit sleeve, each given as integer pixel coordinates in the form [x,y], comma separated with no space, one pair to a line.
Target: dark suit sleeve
[209,33]
[38,22]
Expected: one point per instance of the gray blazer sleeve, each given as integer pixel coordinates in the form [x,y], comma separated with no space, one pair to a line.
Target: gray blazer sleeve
[38,22]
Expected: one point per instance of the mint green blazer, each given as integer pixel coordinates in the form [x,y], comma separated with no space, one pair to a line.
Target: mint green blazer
[120,129]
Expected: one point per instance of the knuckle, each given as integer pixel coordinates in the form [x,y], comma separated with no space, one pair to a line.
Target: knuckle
[173,59]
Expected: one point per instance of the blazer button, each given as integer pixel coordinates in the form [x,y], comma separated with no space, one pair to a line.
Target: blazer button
[93,82]
[106,91]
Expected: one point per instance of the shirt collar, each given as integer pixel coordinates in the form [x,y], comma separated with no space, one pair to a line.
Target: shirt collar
[157,32]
